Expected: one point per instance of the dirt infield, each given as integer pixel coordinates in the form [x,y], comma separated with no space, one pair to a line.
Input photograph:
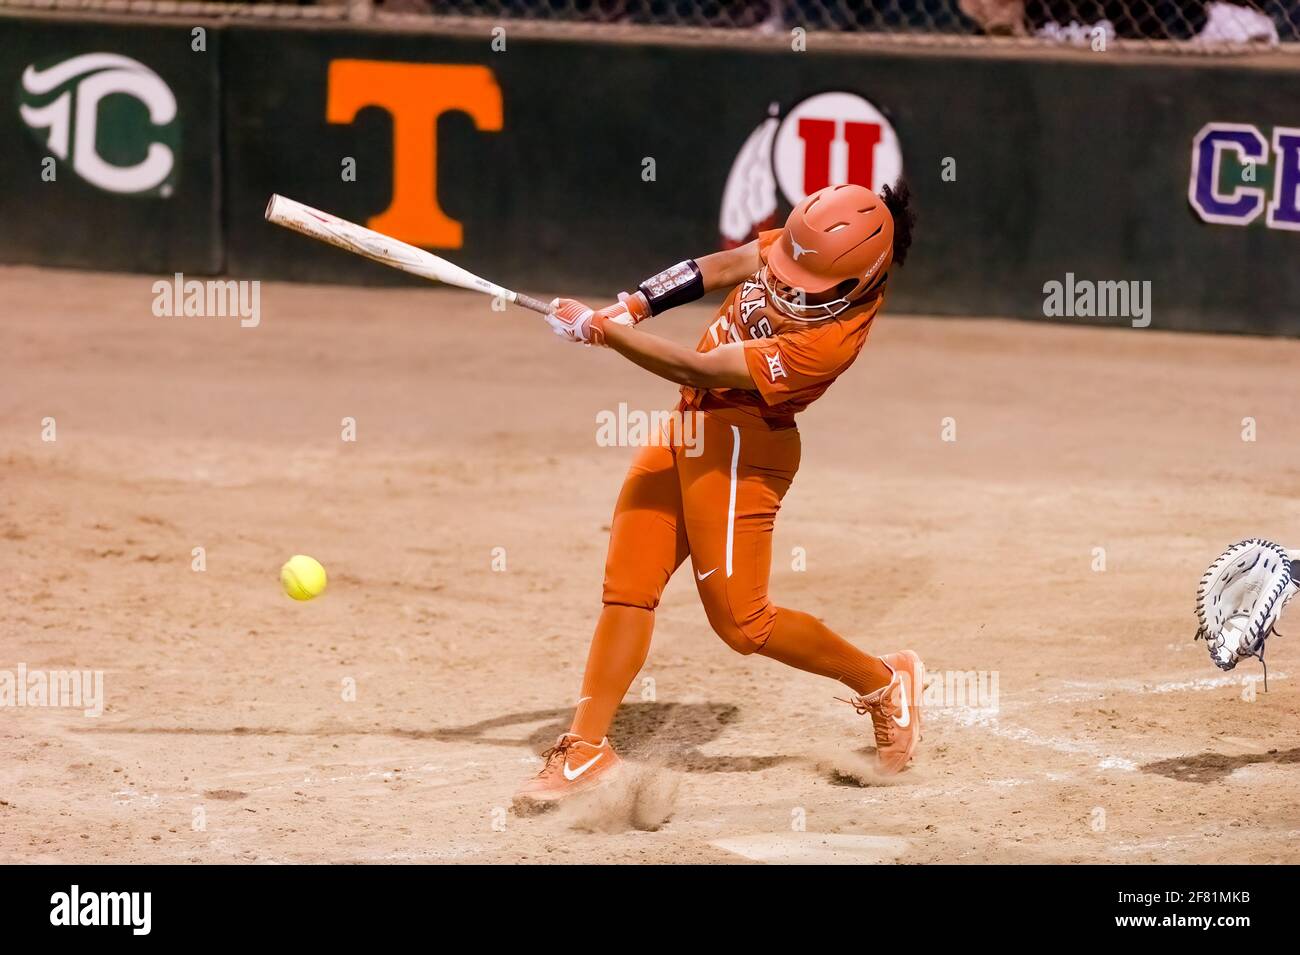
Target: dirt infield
[228,732]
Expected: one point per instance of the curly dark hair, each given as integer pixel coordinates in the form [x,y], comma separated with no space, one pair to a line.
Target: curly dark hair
[898,200]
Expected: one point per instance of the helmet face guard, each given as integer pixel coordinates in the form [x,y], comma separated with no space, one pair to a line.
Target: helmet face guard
[834,250]
[792,302]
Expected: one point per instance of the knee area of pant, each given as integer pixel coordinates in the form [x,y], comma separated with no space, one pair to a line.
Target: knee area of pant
[630,587]
[615,597]
[744,638]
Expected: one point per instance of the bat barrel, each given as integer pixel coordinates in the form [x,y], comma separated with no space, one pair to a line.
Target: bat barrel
[270,207]
[357,239]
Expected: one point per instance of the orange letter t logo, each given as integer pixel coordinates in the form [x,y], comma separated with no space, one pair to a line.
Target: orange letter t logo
[415,95]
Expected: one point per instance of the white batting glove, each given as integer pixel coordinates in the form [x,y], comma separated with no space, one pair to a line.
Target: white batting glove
[619,313]
[636,305]
[576,322]
[571,320]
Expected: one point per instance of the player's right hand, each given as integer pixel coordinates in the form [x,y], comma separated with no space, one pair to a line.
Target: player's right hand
[636,305]
[617,313]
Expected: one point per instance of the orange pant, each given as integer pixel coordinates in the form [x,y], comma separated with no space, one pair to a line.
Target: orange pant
[718,507]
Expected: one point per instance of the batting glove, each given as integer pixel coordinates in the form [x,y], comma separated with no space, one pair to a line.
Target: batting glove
[575,322]
[570,319]
[636,305]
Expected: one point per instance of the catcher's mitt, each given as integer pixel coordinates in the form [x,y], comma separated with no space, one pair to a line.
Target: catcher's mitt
[1241,598]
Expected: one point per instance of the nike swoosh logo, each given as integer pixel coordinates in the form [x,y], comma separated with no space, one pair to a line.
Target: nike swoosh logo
[907,713]
[705,576]
[572,774]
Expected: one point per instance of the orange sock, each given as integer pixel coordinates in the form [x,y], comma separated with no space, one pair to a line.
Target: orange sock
[805,643]
[618,651]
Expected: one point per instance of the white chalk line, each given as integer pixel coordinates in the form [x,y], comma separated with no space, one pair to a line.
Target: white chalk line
[995,726]
[1100,689]
[990,719]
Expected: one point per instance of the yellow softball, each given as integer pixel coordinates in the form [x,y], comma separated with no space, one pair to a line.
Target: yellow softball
[302,577]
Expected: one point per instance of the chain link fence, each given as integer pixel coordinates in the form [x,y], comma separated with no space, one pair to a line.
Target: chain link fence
[1206,26]
[1241,22]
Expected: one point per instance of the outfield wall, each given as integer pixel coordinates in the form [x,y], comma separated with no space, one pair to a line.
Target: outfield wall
[520,165]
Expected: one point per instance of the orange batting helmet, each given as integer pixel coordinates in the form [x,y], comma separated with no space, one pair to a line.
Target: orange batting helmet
[837,245]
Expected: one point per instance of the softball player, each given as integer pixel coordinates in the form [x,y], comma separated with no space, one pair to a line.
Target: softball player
[803,302]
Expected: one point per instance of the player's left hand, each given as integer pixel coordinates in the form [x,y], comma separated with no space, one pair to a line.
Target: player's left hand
[570,319]
[576,322]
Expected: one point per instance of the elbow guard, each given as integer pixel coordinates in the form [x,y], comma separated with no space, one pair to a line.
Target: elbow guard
[673,286]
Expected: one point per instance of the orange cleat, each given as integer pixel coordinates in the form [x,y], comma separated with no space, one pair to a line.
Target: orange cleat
[896,712]
[572,766]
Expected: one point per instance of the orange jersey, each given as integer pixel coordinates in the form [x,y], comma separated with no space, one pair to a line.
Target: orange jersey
[792,362]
